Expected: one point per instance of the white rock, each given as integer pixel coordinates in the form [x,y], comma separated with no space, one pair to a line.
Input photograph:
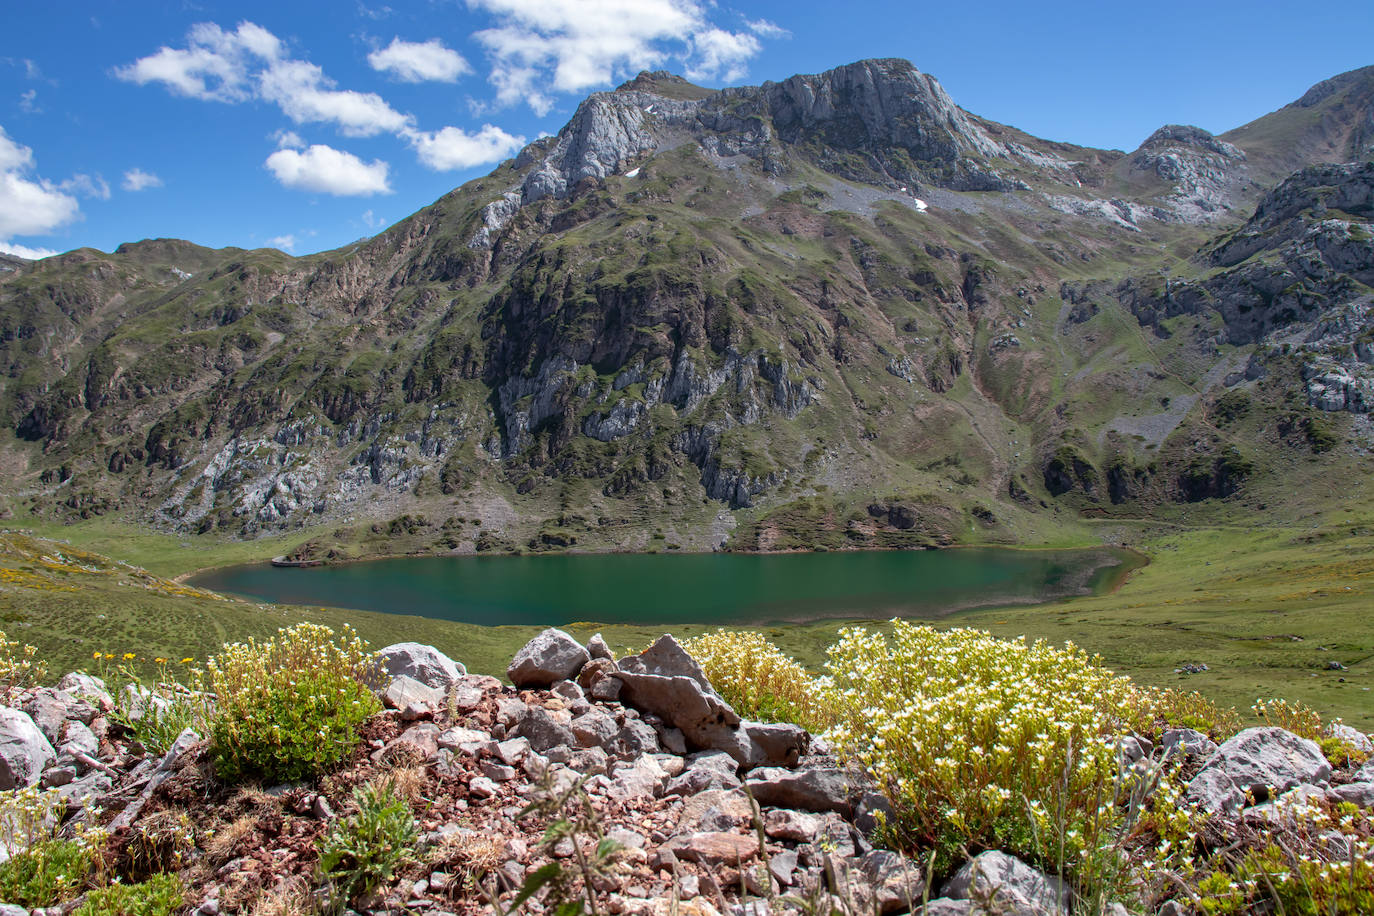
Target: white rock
[550,657]
[24,752]
[425,664]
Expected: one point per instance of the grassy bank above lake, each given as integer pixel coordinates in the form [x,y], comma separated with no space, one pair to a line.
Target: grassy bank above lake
[1267,610]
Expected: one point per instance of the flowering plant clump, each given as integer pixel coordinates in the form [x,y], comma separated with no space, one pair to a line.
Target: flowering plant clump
[1154,709]
[46,870]
[1316,860]
[18,667]
[982,743]
[289,708]
[759,680]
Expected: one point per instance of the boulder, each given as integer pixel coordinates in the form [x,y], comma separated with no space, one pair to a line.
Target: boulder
[79,739]
[642,777]
[1212,791]
[464,740]
[704,771]
[411,697]
[809,789]
[666,658]
[24,751]
[1351,736]
[543,731]
[636,737]
[787,824]
[594,728]
[597,648]
[1266,761]
[775,743]
[895,883]
[48,710]
[993,877]
[1186,742]
[550,657]
[1360,793]
[714,848]
[87,687]
[715,809]
[425,664]
[1365,773]
[706,721]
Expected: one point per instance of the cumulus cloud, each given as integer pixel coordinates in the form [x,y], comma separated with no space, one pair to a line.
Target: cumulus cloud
[29,205]
[538,46]
[419,61]
[215,65]
[250,63]
[721,53]
[138,180]
[305,94]
[284,242]
[329,171]
[452,148]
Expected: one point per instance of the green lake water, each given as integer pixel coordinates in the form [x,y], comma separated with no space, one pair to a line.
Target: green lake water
[715,588]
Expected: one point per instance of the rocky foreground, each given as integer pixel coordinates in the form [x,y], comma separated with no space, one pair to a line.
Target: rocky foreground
[709,813]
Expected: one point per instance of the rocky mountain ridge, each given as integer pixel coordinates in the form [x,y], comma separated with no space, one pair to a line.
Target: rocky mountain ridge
[709,308]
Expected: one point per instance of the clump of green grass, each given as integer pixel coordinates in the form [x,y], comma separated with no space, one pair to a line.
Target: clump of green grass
[362,852]
[160,895]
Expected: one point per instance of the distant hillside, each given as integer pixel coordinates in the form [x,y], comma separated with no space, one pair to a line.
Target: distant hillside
[837,310]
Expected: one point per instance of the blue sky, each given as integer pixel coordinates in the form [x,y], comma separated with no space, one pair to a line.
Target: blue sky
[307,125]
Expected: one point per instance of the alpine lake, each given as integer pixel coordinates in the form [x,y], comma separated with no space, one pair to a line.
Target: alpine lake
[722,589]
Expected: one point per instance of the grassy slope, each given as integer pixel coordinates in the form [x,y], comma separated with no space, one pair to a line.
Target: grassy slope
[1233,598]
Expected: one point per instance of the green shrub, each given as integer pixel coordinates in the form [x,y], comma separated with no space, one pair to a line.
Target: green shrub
[289,708]
[48,870]
[758,680]
[361,852]
[160,895]
[46,873]
[982,743]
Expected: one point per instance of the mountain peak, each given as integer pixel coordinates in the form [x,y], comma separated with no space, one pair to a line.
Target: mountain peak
[1342,82]
[666,84]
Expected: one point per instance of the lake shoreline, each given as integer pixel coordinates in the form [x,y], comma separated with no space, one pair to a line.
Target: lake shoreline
[703,588]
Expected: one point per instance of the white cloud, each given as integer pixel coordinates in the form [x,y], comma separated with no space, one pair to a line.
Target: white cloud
[29,205]
[138,180]
[87,186]
[305,94]
[28,102]
[371,221]
[215,65]
[419,61]
[249,63]
[24,251]
[721,53]
[543,46]
[284,242]
[328,171]
[765,29]
[451,148]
